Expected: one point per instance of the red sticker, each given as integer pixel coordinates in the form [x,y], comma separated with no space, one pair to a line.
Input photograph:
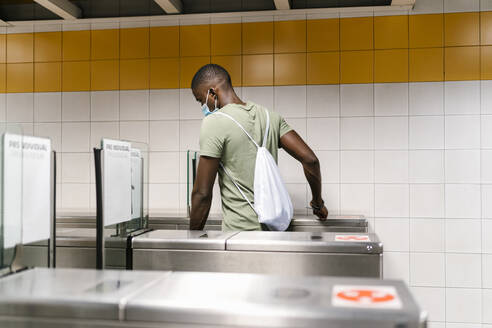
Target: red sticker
[352,238]
[366,297]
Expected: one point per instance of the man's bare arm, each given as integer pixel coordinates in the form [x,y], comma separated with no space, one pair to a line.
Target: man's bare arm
[201,197]
[297,148]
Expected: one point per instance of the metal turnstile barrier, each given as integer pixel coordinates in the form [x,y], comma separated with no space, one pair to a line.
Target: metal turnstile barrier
[342,223]
[85,298]
[284,253]
[76,248]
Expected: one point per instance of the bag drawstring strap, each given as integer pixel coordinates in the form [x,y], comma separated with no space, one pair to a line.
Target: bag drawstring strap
[267,128]
[237,186]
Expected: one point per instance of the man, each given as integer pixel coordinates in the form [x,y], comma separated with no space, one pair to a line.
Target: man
[221,140]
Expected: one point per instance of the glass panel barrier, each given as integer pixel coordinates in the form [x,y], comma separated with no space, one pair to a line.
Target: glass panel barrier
[192,159]
[27,199]
[122,199]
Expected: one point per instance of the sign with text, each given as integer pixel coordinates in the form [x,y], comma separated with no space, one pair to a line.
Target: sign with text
[27,189]
[117,184]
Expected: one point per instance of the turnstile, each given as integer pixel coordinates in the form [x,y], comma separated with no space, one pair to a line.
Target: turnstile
[76,248]
[284,253]
[88,298]
[341,223]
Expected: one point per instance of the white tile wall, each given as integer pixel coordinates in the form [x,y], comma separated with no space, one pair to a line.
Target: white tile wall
[323,101]
[487,236]
[20,107]
[426,166]
[462,97]
[462,201]
[427,200]
[47,106]
[357,166]
[463,236]
[164,104]
[433,300]
[391,99]
[426,98]
[461,5]
[396,265]
[426,132]
[322,133]
[391,167]
[76,106]
[463,270]
[75,137]
[462,166]
[290,101]
[427,235]
[486,129]
[428,7]
[391,133]
[134,105]
[486,166]
[356,99]
[462,132]
[260,95]
[100,130]
[105,105]
[391,200]
[427,269]
[163,135]
[49,130]
[357,133]
[463,305]
[395,233]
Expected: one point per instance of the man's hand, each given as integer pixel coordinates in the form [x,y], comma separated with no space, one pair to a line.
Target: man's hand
[322,213]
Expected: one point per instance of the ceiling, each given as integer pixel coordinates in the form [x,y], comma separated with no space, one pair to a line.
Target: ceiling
[24,10]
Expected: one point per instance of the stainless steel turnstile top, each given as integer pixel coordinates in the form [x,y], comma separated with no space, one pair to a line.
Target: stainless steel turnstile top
[86,237]
[314,242]
[164,299]
[183,239]
[71,293]
[270,301]
[335,220]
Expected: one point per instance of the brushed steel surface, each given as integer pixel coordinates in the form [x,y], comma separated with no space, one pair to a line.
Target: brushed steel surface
[182,239]
[264,301]
[281,263]
[302,242]
[72,293]
[77,298]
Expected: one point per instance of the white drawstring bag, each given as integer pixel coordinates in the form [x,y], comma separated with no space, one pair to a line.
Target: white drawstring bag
[272,201]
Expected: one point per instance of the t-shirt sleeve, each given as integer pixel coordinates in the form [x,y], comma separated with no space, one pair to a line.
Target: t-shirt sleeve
[284,127]
[211,141]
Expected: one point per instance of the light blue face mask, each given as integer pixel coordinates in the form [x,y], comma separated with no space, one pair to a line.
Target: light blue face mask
[205,109]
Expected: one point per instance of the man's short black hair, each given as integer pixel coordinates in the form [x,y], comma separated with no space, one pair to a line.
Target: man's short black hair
[210,72]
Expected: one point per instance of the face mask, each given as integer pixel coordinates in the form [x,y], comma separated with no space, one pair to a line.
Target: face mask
[205,109]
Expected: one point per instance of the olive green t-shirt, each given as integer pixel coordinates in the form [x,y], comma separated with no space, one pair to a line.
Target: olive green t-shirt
[221,138]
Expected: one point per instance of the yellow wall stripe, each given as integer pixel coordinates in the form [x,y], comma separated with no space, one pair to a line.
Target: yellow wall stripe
[415,48]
